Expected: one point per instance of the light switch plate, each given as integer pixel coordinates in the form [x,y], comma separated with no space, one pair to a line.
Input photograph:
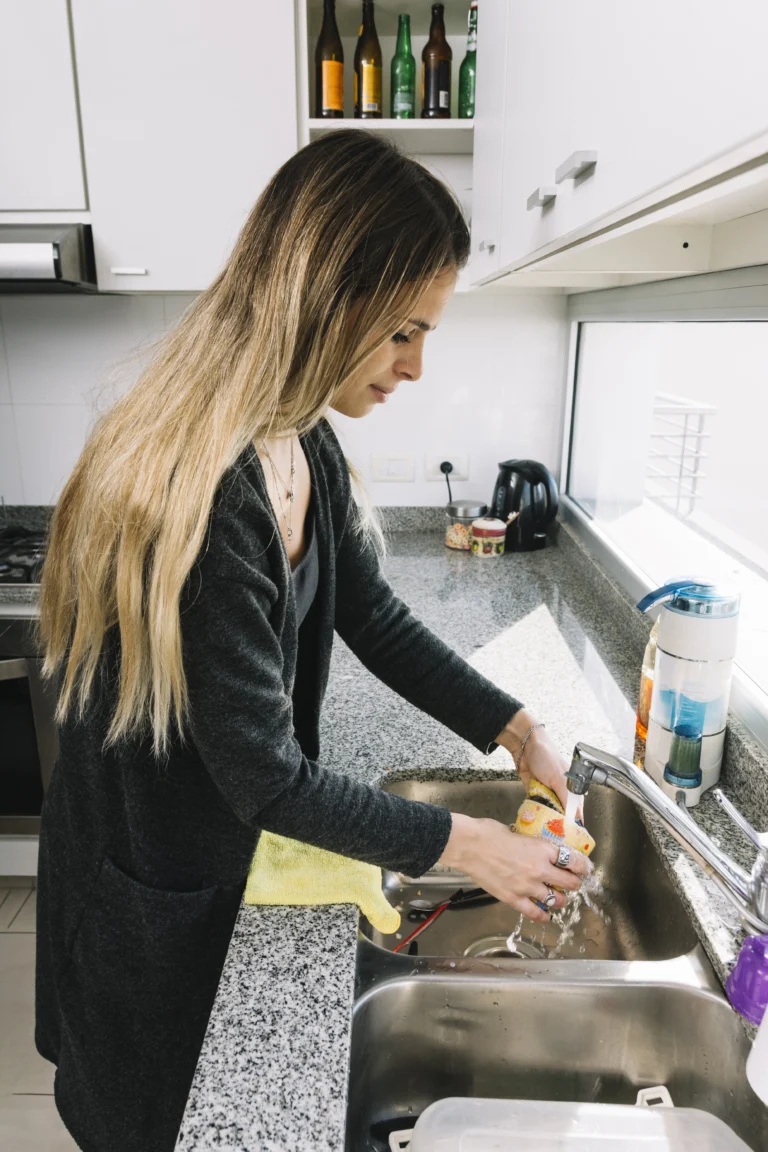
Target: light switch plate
[397,467]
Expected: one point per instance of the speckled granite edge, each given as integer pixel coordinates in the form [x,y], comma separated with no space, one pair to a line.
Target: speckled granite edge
[413,518]
[27,515]
[282,1016]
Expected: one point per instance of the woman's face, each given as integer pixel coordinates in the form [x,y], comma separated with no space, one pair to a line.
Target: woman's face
[400,358]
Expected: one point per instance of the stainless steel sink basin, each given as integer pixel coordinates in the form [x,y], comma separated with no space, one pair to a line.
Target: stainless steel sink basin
[645,918]
[538,1035]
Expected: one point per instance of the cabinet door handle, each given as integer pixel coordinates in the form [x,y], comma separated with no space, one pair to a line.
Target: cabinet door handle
[541,197]
[129,271]
[576,165]
[486,246]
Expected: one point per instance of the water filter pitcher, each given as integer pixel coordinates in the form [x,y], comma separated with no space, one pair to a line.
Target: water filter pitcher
[698,627]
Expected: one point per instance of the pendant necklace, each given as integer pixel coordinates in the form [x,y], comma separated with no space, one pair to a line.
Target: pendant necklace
[291,493]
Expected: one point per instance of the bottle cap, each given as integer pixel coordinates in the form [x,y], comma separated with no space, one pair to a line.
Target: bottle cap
[684,766]
[747,985]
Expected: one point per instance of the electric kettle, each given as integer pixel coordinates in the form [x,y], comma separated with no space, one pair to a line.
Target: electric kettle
[529,490]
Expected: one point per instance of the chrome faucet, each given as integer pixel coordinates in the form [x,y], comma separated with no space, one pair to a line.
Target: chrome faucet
[747,891]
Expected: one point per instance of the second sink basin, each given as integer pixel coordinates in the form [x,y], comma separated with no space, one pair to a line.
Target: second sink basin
[416,1040]
[644,918]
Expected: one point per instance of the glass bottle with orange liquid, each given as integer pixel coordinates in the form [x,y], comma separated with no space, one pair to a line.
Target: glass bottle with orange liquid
[645,694]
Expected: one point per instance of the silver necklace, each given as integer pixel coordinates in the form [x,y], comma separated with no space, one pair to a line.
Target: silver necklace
[291,493]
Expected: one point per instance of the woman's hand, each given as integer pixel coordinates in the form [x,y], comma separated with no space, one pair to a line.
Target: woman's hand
[540,757]
[515,869]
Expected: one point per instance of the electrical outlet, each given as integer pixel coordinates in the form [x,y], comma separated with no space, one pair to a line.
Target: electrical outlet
[460,463]
[397,467]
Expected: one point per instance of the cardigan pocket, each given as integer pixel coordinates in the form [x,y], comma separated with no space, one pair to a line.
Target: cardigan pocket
[135,1001]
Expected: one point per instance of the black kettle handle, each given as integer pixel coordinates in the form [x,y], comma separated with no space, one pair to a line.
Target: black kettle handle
[542,475]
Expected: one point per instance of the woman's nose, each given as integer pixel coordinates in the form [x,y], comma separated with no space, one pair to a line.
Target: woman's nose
[409,367]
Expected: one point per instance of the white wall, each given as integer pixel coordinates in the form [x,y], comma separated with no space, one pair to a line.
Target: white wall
[492,388]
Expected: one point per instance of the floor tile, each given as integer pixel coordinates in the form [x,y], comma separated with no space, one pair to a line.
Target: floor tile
[26,918]
[32,1124]
[22,1068]
[14,901]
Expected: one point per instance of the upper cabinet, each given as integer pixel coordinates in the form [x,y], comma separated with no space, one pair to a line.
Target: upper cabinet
[41,166]
[188,108]
[489,131]
[608,105]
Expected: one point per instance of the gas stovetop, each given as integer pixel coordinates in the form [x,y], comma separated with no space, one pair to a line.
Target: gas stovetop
[22,551]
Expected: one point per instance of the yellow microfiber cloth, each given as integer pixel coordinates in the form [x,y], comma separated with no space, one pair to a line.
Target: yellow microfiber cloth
[286,871]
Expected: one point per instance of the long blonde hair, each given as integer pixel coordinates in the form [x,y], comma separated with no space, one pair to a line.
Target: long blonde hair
[326,267]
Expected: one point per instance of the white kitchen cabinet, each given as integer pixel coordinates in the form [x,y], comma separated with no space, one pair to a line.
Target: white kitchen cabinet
[188,109]
[654,89]
[489,131]
[659,89]
[537,120]
[41,166]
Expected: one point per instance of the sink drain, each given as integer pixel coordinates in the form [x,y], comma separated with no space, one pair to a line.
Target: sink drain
[495,948]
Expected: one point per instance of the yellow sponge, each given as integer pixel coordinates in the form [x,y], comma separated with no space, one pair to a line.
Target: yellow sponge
[285,871]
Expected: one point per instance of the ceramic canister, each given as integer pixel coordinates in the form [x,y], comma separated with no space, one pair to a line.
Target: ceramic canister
[488,537]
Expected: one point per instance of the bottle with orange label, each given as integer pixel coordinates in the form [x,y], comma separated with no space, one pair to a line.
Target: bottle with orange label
[541,814]
[368,99]
[329,67]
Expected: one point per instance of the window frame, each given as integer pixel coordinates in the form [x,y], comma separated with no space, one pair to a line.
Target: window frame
[737,295]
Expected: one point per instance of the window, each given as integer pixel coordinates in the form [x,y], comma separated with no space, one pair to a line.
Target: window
[669,456]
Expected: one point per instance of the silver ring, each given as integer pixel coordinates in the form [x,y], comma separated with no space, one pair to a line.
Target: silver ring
[563,857]
[551,900]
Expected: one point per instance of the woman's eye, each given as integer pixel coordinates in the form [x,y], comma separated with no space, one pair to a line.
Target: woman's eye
[401,338]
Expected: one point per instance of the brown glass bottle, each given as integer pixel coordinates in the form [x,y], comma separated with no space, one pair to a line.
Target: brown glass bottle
[368,99]
[436,61]
[329,67]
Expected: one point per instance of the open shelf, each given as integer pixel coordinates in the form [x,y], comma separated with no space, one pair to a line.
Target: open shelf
[423,137]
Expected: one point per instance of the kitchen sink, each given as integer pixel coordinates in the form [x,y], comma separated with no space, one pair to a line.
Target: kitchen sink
[639,916]
[535,1034]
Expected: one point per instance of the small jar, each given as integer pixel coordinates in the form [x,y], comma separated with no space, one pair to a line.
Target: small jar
[488,537]
[459,515]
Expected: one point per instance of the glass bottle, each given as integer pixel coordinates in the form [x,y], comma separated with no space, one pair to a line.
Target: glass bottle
[368,68]
[403,86]
[646,685]
[468,70]
[329,67]
[436,70]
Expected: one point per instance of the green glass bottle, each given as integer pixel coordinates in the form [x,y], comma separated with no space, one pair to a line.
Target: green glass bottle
[468,70]
[403,86]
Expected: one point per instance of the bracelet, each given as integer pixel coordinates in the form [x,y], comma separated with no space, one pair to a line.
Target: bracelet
[532,728]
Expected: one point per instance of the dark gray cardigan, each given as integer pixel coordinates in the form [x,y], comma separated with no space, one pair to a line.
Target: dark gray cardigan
[143,864]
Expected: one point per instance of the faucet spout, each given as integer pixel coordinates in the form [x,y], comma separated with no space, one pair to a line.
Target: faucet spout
[748,892]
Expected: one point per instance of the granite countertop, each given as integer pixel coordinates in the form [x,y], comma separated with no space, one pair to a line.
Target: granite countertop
[553,630]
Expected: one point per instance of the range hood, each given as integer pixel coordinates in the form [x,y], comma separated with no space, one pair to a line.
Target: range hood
[46,258]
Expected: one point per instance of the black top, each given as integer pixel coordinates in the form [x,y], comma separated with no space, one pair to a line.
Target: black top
[306,574]
[142,864]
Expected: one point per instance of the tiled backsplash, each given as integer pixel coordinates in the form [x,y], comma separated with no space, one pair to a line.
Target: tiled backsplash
[492,388]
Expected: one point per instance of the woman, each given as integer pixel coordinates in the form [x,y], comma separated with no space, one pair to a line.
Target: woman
[201,555]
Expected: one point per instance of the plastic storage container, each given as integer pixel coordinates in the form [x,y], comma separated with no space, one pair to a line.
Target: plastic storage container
[463,1124]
